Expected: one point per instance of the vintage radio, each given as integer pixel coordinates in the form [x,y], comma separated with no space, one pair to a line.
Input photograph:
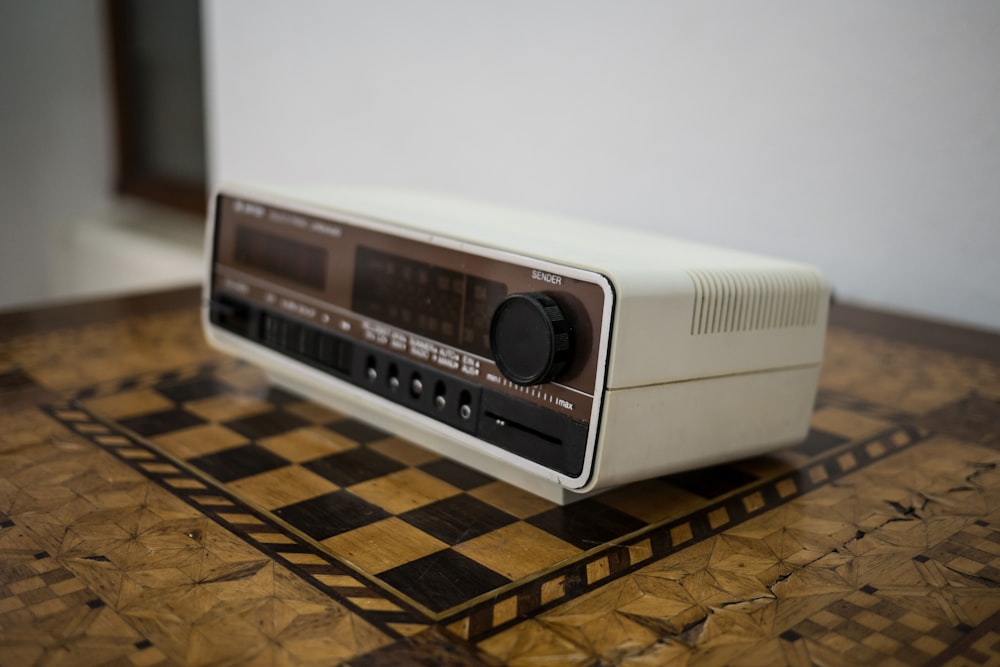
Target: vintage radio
[561,356]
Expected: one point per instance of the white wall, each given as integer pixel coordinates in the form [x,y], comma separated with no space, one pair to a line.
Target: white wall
[862,137]
[54,135]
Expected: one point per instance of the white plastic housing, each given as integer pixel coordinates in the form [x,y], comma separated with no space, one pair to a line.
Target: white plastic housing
[712,354]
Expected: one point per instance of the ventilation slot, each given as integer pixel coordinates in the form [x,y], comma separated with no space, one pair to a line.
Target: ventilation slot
[751,300]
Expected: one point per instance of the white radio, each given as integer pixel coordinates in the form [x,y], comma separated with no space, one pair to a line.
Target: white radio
[561,356]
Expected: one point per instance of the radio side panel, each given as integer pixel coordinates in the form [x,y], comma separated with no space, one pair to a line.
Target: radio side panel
[662,429]
[721,320]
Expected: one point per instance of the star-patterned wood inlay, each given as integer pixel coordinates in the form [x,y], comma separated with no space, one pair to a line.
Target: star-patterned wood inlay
[145,542]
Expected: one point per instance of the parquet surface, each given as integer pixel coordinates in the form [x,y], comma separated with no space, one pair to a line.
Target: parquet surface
[162,504]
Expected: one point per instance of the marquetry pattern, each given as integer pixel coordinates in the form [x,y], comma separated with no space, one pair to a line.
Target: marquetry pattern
[867,629]
[70,358]
[47,614]
[432,646]
[973,552]
[660,541]
[908,377]
[404,537]
[979,646]
[883,623]
[315,566]
[886,566]
[975,418]
[146,380]
[827,398]
[880,527]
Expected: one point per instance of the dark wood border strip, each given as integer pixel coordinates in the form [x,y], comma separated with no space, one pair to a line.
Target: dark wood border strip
[829,398]
[153,378]
[14,323]
[936,334]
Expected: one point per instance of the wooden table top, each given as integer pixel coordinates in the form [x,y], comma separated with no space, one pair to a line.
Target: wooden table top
[161,504]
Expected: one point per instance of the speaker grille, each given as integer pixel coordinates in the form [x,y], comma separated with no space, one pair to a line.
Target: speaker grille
[750,300]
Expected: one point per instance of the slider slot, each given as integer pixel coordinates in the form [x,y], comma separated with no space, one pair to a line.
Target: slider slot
[524,428]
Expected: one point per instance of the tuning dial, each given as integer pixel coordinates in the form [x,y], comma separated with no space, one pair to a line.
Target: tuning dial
[530,338]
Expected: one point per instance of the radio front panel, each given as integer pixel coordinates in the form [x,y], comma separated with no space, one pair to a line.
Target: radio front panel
[505,349]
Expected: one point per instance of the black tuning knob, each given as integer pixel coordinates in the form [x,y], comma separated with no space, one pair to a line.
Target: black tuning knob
[530,338]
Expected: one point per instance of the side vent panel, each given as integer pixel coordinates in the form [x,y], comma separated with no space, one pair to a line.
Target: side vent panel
[749,300]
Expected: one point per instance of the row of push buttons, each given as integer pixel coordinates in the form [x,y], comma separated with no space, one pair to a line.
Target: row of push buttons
[417,387]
